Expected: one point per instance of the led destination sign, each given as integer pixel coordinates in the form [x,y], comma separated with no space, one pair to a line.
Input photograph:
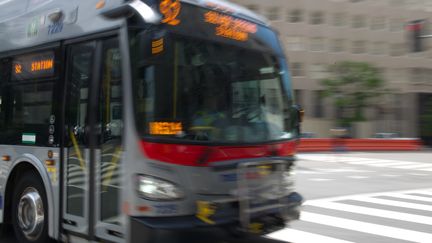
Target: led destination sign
[230,27]
[40,65]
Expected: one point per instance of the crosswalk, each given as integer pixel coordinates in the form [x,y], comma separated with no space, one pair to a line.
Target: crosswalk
[402,216]
[370,162]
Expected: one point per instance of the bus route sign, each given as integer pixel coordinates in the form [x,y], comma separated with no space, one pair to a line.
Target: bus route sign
[39,65]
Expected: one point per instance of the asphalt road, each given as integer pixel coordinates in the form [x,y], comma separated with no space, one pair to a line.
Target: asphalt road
[351,197]
[364,197]
[189,237]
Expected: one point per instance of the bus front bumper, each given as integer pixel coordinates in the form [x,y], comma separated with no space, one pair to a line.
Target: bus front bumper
[225,217]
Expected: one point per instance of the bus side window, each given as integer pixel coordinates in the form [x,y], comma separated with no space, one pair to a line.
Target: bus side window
[111,122]
[26,104]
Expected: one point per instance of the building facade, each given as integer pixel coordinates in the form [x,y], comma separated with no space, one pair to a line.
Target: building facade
[318,33]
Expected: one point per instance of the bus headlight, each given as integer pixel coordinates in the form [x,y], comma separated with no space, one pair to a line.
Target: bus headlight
[157,189]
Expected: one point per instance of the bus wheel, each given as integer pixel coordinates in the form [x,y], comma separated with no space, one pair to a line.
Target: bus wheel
[29,210]
[236,233]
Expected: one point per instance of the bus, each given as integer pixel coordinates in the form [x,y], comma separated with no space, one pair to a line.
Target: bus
[119,119]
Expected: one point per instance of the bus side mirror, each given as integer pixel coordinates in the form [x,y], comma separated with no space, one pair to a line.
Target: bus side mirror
[149,15]
[300,112]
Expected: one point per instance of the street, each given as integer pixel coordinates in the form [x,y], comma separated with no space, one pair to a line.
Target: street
[352,197]
[363,197]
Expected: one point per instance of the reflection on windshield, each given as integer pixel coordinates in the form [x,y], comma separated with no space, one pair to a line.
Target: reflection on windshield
[202,91]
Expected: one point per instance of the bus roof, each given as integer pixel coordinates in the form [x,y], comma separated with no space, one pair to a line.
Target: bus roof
[27,23]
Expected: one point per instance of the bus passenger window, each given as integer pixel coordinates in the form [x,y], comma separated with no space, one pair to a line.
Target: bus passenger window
[111,121]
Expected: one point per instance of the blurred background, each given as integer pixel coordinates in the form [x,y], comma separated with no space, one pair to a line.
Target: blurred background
[387,90]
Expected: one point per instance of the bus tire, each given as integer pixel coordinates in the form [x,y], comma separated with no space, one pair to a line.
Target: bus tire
[30,210]
[234,232]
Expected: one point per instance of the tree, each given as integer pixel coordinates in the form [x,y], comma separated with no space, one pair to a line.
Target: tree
[353,86]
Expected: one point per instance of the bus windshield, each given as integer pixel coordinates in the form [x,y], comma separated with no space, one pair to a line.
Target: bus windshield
[200,91]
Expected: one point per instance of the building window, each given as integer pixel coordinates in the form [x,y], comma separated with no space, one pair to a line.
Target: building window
[297,69]
[359,21]
[316,18]
[378,23]
[298,96]
[359,47]
[295,43]
[379,48]
[337,45]
[317,44]
[397,50]
[273,13]
[397,3]
[318,71]
[396,25]
[421,75]
[319,104]
[339,19]
[295,16]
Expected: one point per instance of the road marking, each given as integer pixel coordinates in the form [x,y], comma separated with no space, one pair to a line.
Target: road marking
[389,175]
[419,174]
[424,191]
[358,177]
[321,179]
[366,162]
[393,203]
[396,164]
[344,170]
[309,172]
[297,236]
[341,223]
[392,163]
[372,212]
[369,228]
[422,166]
[410,197]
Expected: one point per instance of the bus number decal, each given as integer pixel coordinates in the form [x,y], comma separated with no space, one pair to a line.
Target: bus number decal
[170,9]
[55,28]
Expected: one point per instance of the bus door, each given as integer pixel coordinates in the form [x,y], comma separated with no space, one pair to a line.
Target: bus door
[93,140]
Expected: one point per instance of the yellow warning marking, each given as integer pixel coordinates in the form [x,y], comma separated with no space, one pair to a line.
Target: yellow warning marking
[256,228]
[205,210]
[53,172]
[264,170]
[78,151]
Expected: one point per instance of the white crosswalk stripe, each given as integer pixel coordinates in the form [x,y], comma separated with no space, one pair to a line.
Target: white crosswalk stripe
[376,229]
[348,218]
[395,164]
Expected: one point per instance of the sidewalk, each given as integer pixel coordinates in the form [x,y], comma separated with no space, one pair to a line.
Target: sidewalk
[351,144]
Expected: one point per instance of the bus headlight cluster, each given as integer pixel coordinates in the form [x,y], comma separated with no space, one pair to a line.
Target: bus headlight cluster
[157,189]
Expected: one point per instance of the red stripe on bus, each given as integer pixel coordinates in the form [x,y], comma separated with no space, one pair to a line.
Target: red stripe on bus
[197,155]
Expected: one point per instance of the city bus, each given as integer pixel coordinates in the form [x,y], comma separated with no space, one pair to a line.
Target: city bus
[119,119]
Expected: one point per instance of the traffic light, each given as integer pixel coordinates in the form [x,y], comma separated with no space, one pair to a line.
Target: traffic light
[416,32]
